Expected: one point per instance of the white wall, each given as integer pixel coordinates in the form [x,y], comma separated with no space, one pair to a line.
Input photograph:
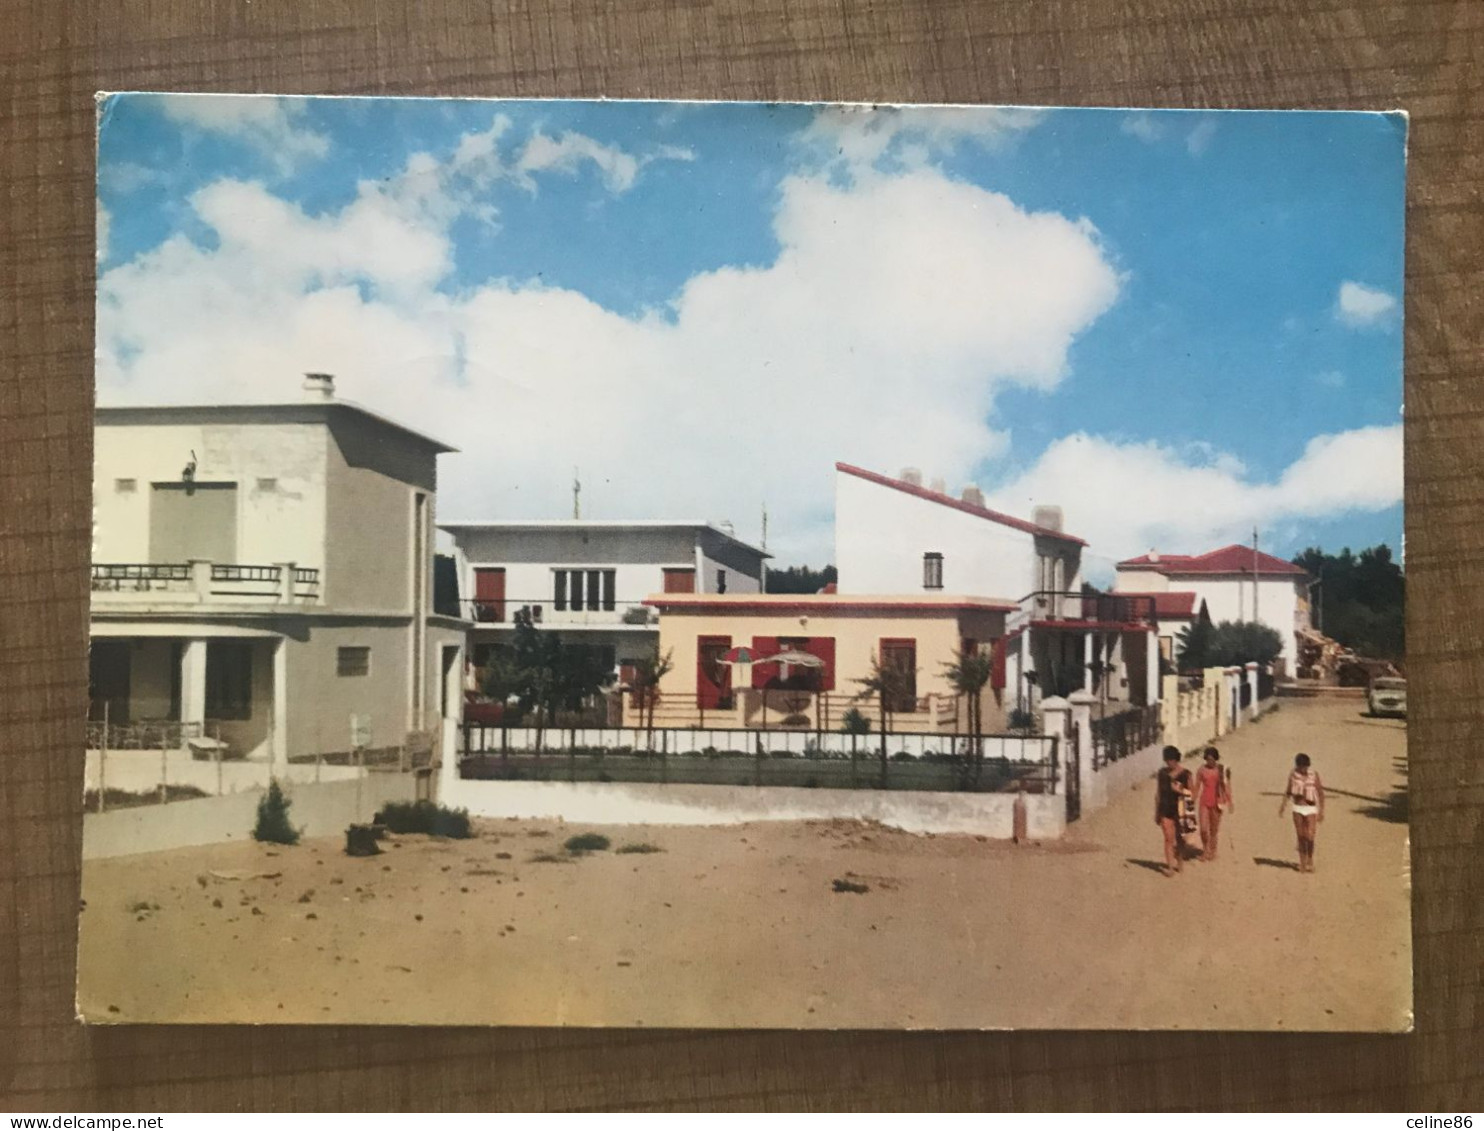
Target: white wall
[1140,581]
[881,535]
[1230,598]
[286,523]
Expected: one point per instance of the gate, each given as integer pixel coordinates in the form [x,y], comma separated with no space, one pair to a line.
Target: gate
[1072,761]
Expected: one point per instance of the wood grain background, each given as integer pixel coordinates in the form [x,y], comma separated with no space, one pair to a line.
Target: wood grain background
[54,55]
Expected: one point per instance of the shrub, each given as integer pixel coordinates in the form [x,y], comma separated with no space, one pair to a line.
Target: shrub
[639,848]
[273,818]
[854,722]
[1021,719]
[425,817]
[587,842]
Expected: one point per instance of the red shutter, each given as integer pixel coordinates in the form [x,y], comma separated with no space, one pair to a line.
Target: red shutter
[489,594]
[764,674]
[709,691]
[824,648]
[680,581]
[997,672]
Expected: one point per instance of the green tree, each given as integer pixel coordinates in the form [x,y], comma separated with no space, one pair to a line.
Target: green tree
[648,672]
[273,824]
[800,579]
[889,683]
[1359,599]
[1203,645]
[1193,646]
[967,674]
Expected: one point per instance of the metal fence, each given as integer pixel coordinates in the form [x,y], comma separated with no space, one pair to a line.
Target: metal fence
[1128,732]
[935,762]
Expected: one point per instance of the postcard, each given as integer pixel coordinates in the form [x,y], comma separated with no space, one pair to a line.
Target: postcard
[590,563]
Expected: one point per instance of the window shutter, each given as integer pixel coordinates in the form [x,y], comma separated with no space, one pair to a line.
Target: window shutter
[824,648]
[764,674]
[709,690]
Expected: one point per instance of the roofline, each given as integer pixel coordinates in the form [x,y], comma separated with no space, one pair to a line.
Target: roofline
[1247,571]
[958,504]
[600,524]
[823,603]
[312,408]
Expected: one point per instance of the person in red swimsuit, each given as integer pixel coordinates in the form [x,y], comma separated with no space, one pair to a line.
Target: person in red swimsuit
[1212,794]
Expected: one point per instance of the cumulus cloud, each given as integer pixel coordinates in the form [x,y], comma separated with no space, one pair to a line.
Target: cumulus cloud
[898,307]
[568,152]
[1199,138]
[860,138]
[1361,306]
[1142,125]
[1125,498]
[100,229]
[274,126]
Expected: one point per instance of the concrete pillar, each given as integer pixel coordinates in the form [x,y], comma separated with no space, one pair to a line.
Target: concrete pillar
[1154,688]
[1023,685]
[193,681]
[1082,704]
[278,736]
[1088,655]
[201,577]
[286,581]
[1250,675]
[1215,678]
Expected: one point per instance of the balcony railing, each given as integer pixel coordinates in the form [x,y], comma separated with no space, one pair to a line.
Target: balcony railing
[199,582]
[545,614]
[1086,607]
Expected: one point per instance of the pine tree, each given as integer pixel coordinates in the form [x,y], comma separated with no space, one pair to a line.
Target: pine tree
[273,818]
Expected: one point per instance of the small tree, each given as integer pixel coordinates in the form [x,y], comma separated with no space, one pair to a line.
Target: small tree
[967,674]
[648,671]
[273,818]
[855,722]
[1245,642]
[1194,645]
[890,683]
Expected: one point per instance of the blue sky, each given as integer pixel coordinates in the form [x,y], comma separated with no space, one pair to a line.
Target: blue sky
[1177,325]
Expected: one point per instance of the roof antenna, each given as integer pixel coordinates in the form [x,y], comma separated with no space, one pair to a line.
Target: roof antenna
[765,527]
[576,494]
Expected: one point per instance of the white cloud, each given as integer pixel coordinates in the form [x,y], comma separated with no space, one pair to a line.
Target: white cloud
[860,138]
[1142,125]
[897,309]
[101,227]
[1199,139]
[1359,305]
[567,153]
[1126,498]
[270,124]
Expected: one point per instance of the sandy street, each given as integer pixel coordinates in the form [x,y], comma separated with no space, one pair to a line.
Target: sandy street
[740,926]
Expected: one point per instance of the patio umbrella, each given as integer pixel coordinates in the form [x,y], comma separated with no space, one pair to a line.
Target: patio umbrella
[739,655]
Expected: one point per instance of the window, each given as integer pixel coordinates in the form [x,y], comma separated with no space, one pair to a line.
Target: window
[721,581]
[489,594]
[932,571]
[352,661]
[681,580]
[590,589]
[229,679]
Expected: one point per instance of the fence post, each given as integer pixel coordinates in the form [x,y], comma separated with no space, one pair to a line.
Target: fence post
[757,760]
[216,753]
[164,772]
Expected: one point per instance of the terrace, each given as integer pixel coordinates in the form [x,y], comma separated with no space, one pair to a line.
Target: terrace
[203,583]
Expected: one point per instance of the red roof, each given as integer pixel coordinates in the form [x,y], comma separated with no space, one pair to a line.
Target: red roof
[1167,606]
[956,504]
[1228,559]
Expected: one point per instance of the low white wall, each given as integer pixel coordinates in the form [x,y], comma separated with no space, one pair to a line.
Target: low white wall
[139,771]
[1118,777]
[319,810]
[615,803]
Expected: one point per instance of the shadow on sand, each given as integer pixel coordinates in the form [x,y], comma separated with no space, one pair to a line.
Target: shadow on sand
[1269,862]
[1152,865]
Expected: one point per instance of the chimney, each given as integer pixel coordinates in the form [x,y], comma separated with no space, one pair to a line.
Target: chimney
[973,496]
[939,487]
[1049,518]
[319,386]
[912,476]
[1153,554]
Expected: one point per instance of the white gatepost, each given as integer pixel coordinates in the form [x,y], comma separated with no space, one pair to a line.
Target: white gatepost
[1152,682]
[1250,675]
[1082,703]
[193,683]
[1056,721]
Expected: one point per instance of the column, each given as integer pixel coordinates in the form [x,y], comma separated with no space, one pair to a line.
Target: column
[286,582]
[193,681]
[1082,703]
[1089,654]
[1152,683]
[201,577]
[1216,678]
[1250,675]
[278,738]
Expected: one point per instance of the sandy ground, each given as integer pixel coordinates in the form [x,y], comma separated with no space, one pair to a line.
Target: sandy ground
[740,926]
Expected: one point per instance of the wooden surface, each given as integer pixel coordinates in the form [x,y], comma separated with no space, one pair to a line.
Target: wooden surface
[1332,53]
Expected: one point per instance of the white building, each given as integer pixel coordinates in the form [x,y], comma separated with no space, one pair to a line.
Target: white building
[265,572]
[895,536]
[1236,583]
[587,580]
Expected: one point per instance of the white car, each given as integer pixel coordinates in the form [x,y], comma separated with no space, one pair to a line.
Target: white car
[1388,696]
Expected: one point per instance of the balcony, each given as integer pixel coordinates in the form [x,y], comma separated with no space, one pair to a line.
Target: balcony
[1086,608]
[623,615]
[119,585]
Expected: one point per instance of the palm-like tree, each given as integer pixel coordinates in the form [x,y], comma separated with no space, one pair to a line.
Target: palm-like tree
[889,683]
[648,671]
[967,674]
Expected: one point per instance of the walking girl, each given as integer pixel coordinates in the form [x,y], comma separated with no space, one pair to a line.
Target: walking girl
[1172,785]
[1213,794]
[1306,792]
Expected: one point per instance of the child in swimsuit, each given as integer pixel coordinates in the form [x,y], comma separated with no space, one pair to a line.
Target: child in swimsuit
[1171,785]
[1306,793]
[1213,793]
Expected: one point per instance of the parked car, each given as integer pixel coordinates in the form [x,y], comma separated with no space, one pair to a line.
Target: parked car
[1388,696]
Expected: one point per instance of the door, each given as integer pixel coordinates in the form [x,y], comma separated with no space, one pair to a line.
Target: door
[193,521]
[713,678]
[489,595]
[108,681]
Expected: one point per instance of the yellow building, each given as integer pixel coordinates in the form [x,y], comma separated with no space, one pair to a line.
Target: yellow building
[918,634]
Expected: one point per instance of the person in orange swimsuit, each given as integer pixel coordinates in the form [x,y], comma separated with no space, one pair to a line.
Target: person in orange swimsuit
[1212,795]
